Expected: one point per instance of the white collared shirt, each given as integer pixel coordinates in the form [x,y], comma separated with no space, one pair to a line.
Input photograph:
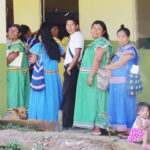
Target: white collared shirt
[76,41]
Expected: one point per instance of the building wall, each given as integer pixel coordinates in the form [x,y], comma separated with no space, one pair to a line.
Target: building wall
[143,16]
[112,12]
[3,80]
[28,12]
[3,72]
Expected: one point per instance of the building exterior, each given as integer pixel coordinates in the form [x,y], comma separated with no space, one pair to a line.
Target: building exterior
[134,14]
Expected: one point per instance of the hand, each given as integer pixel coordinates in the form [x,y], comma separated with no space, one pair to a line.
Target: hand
[148,123]
[90,80]
[109,73]
[28,47]
[69,72]
[106,67]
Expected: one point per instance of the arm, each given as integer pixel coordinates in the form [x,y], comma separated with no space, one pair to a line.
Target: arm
[32,59]
[123,60]
[12,56]
[99,53]
[75,60]
[63,55]
[140,126]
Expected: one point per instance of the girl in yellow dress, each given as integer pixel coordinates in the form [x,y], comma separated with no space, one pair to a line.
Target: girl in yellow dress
[54,31]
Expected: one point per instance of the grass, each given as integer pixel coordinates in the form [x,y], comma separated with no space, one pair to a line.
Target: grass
[145,71]
[17,127]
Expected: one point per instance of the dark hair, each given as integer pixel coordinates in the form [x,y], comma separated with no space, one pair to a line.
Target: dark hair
[74,19]
[24,30]
[103,25]
[17,26]
[126,30]
[141,105]
[7,28]
[51,46]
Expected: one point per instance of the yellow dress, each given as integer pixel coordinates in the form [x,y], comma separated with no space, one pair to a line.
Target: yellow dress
[63,43]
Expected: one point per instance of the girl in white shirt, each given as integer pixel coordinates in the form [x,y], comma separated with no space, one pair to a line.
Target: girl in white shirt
[139,131]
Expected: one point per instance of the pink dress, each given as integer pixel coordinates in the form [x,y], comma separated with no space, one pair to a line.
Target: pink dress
[136,134]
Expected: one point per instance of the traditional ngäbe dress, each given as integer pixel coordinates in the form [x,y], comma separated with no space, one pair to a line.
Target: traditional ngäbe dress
[44,104]
[91,102]
[121,107]
[18,79]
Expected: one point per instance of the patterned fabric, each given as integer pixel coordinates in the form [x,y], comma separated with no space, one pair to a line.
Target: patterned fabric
[38,82]
[121,106]
[44,104]
[134,84]
[18,79]
[136,135]
[31,41]
[91,102]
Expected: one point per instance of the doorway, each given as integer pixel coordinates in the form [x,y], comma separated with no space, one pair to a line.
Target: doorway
[9,12]
[56,12]
[143,23]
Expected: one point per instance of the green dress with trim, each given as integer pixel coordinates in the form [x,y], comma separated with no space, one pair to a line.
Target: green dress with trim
[91,102]
[18,79]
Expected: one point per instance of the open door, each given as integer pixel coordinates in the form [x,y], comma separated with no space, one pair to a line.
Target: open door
[56,11]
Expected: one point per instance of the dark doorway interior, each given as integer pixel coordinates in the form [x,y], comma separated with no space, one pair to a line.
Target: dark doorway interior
[9,12]
[56,12]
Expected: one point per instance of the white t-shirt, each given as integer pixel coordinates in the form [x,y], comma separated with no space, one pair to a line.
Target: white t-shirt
[76,41]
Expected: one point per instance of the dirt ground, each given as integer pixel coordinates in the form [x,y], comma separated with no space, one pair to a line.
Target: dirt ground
[67,140]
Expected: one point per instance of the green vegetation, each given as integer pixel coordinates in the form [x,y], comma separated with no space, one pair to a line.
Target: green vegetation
[12,145]
[17,127]
[37,148]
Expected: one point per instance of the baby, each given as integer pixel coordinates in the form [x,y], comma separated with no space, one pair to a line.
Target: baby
[139,131]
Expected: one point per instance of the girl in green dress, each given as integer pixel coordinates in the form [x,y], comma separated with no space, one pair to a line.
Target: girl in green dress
[18,80]
[91,102]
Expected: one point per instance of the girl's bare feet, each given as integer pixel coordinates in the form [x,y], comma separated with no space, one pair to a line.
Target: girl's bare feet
[146,146]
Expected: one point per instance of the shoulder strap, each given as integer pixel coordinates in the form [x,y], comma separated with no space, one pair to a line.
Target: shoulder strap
[70,52]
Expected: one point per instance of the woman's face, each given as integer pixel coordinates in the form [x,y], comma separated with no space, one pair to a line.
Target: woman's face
[54,31]
[97,31]
[13,33]
[123,39]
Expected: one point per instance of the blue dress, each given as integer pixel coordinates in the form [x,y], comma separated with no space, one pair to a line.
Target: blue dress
[121,107]
[44,104]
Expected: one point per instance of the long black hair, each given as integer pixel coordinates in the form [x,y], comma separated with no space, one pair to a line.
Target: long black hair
[50,44]
[103,25]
